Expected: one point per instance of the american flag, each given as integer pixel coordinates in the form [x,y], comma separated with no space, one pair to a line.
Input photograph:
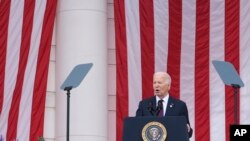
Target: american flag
[26,28]
[182,37]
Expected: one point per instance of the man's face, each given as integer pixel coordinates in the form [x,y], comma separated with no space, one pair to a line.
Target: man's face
[160,85]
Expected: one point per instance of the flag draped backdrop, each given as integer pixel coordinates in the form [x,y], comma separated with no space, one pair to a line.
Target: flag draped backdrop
[182,37]
[26,28]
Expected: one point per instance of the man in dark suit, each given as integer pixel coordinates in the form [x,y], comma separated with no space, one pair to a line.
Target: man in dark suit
[171,106]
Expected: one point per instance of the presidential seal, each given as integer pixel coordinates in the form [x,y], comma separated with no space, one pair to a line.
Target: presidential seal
[154,131]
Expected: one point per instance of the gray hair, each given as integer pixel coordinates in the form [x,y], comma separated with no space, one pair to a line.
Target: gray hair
[165,75]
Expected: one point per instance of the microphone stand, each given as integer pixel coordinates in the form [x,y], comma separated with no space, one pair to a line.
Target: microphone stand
[158,109]
[154,111]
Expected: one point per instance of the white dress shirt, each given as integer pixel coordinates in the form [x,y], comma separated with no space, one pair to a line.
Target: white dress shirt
[165,103]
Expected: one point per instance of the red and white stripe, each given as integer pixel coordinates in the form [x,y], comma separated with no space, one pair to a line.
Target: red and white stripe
[25,41]
[182,38]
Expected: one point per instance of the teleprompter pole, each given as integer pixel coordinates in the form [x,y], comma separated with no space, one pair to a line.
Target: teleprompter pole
[68,111]
[236,99]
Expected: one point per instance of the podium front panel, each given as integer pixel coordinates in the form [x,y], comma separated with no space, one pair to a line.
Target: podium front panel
[176,127]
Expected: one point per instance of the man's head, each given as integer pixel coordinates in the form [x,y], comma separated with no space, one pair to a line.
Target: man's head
[161,84]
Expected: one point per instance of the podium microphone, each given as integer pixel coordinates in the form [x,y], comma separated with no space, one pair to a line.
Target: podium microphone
[151,109]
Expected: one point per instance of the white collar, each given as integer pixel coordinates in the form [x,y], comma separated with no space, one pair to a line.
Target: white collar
[165,98]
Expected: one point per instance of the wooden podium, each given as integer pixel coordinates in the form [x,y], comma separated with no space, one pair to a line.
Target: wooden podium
[170,128]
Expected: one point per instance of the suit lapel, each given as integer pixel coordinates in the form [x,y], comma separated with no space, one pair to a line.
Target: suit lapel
[170,106]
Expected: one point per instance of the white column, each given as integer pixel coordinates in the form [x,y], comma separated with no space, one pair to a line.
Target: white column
[81,32]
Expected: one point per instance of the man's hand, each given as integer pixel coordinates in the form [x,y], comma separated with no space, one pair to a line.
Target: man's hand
[188,127]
